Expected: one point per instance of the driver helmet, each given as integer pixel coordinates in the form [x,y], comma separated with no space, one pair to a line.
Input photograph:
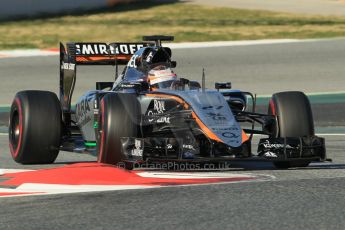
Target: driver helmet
[161,77]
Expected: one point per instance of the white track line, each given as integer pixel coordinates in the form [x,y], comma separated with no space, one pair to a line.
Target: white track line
[4,171]
[59,188]
[49,189]
[34,189]
[194,175]
[26,53]
[185,45]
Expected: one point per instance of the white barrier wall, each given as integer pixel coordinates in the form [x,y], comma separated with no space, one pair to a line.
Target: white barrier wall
[11,9]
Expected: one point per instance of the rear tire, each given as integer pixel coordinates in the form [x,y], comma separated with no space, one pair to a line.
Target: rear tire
[35,127]
[119,117]
[295,119]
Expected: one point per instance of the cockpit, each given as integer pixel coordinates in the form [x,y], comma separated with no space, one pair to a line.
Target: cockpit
[152,68]
[161,77]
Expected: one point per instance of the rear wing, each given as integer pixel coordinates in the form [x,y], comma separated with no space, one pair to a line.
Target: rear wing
[101,53]
[75,54]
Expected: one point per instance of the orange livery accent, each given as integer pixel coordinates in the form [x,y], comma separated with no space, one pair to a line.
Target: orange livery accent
[204,128]
[102,58]
[207,131]
[273,109]
[244,137]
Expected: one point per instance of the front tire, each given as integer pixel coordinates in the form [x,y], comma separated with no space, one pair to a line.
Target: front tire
[119,117]
[35,127]
[295,119]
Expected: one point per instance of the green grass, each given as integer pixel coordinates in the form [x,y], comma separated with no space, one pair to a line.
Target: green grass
[186,22]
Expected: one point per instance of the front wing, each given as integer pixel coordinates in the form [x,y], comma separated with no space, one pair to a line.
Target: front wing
[269,149]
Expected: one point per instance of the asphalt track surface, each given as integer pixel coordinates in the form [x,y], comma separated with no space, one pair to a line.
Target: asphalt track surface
[304,198]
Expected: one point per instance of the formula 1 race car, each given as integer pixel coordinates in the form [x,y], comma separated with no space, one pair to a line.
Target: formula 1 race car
[148,114]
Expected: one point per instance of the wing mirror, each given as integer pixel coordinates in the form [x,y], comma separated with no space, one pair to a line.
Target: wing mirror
[222,85]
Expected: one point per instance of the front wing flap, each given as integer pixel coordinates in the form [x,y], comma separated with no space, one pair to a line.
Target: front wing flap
[292,148]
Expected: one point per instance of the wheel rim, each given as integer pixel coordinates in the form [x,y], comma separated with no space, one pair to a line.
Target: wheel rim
[15,130]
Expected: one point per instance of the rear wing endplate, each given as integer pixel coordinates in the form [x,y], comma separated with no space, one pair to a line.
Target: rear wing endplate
[75,54]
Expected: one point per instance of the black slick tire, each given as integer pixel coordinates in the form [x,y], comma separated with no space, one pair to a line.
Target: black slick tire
[35,127]
[295,119]
[119,117]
